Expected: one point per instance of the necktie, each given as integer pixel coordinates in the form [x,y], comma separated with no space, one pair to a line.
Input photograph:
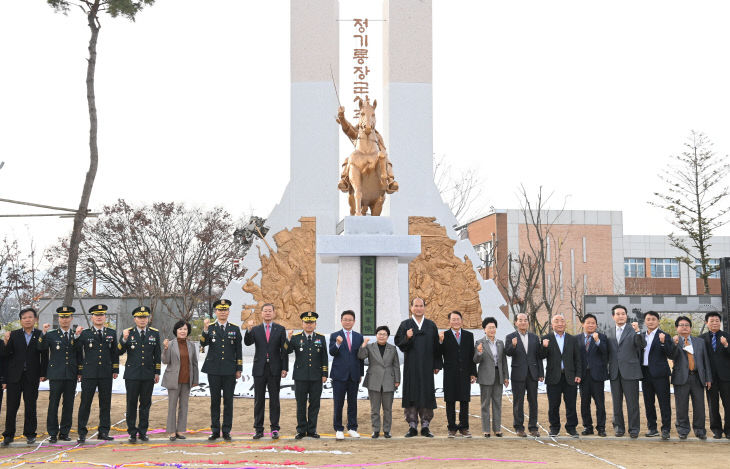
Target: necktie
[349,343]
[98,334]
[268,332]
[690,357]
[141,336]
[588,342]
[714,341]
[65,336]
[458,337]
[309,338]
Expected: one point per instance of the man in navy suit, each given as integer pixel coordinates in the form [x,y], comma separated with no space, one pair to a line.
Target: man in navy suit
[26,368]
[655,369]
[345,373]
[594,354]
[716,343]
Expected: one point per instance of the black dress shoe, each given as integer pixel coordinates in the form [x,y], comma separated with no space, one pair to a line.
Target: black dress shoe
[179,436]
[651,433]
[299,436]
[104,437]
[634,435]
[143,437]
[411,433]
[214,436]
[227,437]
[682,437]
[81,440]
[425,431]
[258,435]
[619,434]
[498,434]
[52,439]
[587,432]
[574,434]
[702,437]
[665,435]
[602,433]
[7,440]
[132,439]
[274,434]
[717,436]
[387,435]
[375,435]
[173,438]
[30,440]
[314,435]
[64,438]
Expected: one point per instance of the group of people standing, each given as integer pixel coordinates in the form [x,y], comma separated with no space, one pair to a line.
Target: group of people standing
[583,362]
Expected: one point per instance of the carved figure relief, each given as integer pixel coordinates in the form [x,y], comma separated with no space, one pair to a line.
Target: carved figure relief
[287,276]
[445,281]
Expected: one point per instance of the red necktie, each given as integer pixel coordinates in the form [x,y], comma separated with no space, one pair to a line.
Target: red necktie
[349,342]
[267,332]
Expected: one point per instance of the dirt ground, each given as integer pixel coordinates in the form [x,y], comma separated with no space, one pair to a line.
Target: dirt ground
[506,452]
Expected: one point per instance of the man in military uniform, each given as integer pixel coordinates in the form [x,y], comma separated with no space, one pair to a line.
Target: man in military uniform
[141,372]
[62,372]
[98,369]
[310,373]
[223,365]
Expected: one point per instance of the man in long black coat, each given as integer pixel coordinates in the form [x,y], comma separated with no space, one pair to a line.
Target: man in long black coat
[457,349]
[418,339]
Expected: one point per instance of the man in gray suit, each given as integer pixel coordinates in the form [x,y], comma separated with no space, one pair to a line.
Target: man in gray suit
[690,376]
[382,378]
[625,347]
[489,355]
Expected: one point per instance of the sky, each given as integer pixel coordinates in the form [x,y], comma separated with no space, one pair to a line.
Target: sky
[587,99]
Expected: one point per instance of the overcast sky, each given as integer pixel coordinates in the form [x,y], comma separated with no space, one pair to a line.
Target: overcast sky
[587,98]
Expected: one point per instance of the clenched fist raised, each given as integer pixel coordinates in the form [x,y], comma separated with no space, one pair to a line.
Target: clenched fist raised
[7,336]
[675,339]
[125,335]
[480,349]
[409,333]
[514,341]
[635,325]
[339,339]
[662,336]
[289,334]
[249,324]
[595,337]
[206,323]
[46,326]
[545,343]
[441,336]
[166,343]
[723,341]
[79,330]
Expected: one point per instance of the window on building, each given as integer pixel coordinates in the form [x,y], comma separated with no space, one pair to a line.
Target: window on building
[486,253]
[634,267]
[664,268]
[712,263]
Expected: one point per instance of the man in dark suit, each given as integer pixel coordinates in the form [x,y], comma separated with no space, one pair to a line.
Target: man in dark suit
[62,373]
[27,366]
[270,364]
[691,376]
[527,370]
[562,376]
[655,371]
[311,367]
[625,347]
[716,343]
[142,344]
[346,372]
[222,370]
[457,349]
[594,357]
[98,369]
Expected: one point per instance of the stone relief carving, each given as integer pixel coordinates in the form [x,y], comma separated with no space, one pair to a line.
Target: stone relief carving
[445,281]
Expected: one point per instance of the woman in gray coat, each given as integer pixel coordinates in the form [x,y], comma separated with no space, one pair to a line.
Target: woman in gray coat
[489,355]
[181,374]
[381,379]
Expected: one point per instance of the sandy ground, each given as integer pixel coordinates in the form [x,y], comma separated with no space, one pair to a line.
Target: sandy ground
[509,451]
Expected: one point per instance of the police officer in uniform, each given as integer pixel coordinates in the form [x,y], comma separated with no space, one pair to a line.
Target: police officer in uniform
[141,372]
[310,373]
[223,364]
[62,372]
[98,369]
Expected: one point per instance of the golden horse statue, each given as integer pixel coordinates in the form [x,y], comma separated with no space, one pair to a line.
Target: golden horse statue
[367,174]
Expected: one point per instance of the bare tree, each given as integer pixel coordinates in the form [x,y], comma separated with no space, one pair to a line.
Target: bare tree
[92,9]
[461,189]
[533,282]
[696,188]
[174,258]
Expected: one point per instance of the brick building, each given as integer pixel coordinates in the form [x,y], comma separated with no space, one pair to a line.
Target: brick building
[587,253]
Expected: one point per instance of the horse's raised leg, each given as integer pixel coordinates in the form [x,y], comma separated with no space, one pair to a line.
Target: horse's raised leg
[356,182]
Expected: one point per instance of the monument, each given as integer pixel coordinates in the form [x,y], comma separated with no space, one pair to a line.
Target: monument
[388,250]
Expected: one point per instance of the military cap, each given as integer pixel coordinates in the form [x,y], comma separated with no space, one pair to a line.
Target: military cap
[98,310]
[65,311]
[141,312]
[222,304]
[309,316]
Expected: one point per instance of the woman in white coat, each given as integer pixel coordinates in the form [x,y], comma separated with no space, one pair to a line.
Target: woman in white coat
[181,374]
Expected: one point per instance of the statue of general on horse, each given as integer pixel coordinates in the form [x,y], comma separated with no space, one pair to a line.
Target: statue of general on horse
[367,174]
